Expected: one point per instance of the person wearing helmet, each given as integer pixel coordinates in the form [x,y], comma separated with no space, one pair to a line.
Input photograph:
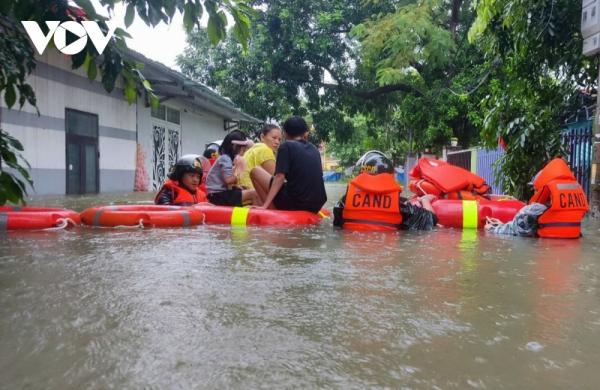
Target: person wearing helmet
[373,202]
[182,187]
[211,153]
[554,211]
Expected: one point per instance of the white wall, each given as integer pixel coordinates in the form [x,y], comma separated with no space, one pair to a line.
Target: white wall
[197,129]
[57,88]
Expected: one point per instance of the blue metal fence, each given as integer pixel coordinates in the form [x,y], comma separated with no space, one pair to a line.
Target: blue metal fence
[578,138]
[485,169]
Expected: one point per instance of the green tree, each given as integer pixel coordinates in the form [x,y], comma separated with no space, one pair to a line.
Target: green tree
[406,61]
[12,189]
[389,138]
[17,59]
[424,45]
[538,47]
[300,60]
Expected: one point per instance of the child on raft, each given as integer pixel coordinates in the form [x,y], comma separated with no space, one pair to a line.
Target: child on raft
[373,201]
[298,180]
[223,176]
[182,188]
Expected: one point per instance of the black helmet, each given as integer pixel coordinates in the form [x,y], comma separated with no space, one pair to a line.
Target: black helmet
[189,163]
[375,162]
[211,151]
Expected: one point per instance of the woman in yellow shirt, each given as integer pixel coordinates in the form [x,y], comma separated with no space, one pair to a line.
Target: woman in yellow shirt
[262,154]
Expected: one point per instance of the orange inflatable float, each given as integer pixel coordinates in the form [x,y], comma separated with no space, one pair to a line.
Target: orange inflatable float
[154,216]
[15,218]
[244,216]
[424,187]
[473,213]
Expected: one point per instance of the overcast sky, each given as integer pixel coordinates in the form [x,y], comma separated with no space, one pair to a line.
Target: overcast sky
[162,43]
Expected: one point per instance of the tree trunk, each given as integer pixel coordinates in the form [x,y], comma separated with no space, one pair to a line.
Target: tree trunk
[454,22]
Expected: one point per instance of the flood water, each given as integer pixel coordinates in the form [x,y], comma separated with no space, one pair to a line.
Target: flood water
[216,307]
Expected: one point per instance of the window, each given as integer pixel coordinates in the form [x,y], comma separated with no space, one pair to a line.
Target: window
[81,123]
[158,113]
[173,116]
[168,114]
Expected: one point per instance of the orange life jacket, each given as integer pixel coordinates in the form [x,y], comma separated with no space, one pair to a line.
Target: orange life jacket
[372,203]
[568,203]
[181,196]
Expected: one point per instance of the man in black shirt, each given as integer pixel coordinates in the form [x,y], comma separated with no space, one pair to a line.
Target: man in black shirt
[298,163]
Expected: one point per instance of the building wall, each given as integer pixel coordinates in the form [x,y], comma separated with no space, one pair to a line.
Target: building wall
[197,129]
[57,88]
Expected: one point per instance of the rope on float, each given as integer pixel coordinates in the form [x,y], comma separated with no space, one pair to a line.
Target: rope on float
[419,187]
[64,223]
[139,225]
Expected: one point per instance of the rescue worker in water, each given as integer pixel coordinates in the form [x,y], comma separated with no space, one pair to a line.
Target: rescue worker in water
[373,202]
[563,205]
[378,201]
[182,187]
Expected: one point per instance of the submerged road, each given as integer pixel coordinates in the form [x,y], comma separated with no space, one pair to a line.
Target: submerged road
[310,307]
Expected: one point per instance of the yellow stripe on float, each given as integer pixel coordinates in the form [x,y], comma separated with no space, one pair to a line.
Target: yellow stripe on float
[470,214]
[239,216]
[322,215]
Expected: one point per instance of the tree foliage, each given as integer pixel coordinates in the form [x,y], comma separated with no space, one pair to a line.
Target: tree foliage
[17,57]
[538,45]
[402,62]
[300,60]
[12,189]
[385,138]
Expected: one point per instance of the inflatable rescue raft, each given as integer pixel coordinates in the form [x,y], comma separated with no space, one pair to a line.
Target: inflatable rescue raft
[243,216]
[17,218]
[474,213]
[151,216]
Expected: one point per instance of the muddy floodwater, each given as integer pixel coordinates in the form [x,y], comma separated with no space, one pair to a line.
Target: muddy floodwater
[215,307]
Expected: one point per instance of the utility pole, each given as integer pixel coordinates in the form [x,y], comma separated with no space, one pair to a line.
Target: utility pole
[590,32]
[595,174]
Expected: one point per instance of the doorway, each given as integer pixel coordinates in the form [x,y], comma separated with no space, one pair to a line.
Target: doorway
[166,142]
[82,152]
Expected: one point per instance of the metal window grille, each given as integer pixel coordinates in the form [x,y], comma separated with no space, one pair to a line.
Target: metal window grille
[159,112]
[173,116]
[81,123]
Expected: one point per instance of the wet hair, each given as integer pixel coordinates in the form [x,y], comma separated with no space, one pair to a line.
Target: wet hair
[266,129]
[230,149]
[295,126]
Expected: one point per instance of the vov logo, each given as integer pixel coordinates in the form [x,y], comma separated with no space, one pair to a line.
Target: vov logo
[59,30]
